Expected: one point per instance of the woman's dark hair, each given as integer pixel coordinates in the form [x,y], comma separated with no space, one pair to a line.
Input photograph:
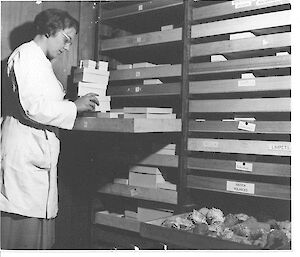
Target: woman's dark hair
[52,20]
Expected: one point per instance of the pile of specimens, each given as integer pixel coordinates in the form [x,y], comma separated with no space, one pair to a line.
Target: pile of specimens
[239,228]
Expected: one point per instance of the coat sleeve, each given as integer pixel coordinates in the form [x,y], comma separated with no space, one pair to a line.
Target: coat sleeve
[40,103]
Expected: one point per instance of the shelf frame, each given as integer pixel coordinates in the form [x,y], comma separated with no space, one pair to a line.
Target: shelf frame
[139,8]
[182,162]
[272,33]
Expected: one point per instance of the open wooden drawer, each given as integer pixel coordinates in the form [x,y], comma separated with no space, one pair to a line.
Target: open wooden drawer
[188,240]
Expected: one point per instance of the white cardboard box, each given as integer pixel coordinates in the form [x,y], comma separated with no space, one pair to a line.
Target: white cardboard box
[101,65]
[91,75]
[103,98]
[106,115]
[144,169]
[85,90]
[91,78]
[124,66]
[103,107]
[282,53]
[248,76]
[144,180]
[92,70]
[87,64]
[130,214]
[93,85]
[166,27]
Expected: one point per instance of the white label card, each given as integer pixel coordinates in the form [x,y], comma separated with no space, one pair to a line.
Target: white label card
[245,166]
[242,3]
[137,89]
[245,125]
[262,2]
[140,7]
[133,192]
[137,74]
[279,147]
[240,187]
[246,83]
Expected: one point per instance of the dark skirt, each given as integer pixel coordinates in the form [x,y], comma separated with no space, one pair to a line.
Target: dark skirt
[19,232]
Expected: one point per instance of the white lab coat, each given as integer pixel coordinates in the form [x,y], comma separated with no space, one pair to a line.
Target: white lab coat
[29,156]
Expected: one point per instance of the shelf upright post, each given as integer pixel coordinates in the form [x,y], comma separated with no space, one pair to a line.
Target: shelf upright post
[97,40]
[186,37]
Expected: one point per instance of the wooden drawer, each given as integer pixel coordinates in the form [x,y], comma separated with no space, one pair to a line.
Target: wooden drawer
[258,189]
[241,105]
[117,222]
[274,83]
[233,7]
[154,230]
[254,22]
[127,125]
[231,166]
[240,146]
[157,37]
[261,127]
[166,89]
[139,7]
[240,45]
[142,73]
[241,65]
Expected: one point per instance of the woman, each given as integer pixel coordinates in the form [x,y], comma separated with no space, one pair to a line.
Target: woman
[29,143]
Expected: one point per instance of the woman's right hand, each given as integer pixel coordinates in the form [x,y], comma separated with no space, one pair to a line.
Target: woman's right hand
[86,102]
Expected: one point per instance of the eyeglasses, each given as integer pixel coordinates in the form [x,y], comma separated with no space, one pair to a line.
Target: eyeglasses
[68,41]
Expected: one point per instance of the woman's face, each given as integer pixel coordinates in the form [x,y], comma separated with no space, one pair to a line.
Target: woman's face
[60,42]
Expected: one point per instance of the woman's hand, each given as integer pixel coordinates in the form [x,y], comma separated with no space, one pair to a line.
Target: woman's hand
[86,102]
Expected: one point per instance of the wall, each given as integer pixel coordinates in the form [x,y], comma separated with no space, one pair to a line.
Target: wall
[16,17]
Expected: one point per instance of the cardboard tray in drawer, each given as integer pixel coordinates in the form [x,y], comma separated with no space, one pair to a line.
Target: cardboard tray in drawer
[111,220]
[188,240]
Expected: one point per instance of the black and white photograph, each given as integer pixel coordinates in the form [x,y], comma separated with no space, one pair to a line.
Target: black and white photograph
[147,125]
